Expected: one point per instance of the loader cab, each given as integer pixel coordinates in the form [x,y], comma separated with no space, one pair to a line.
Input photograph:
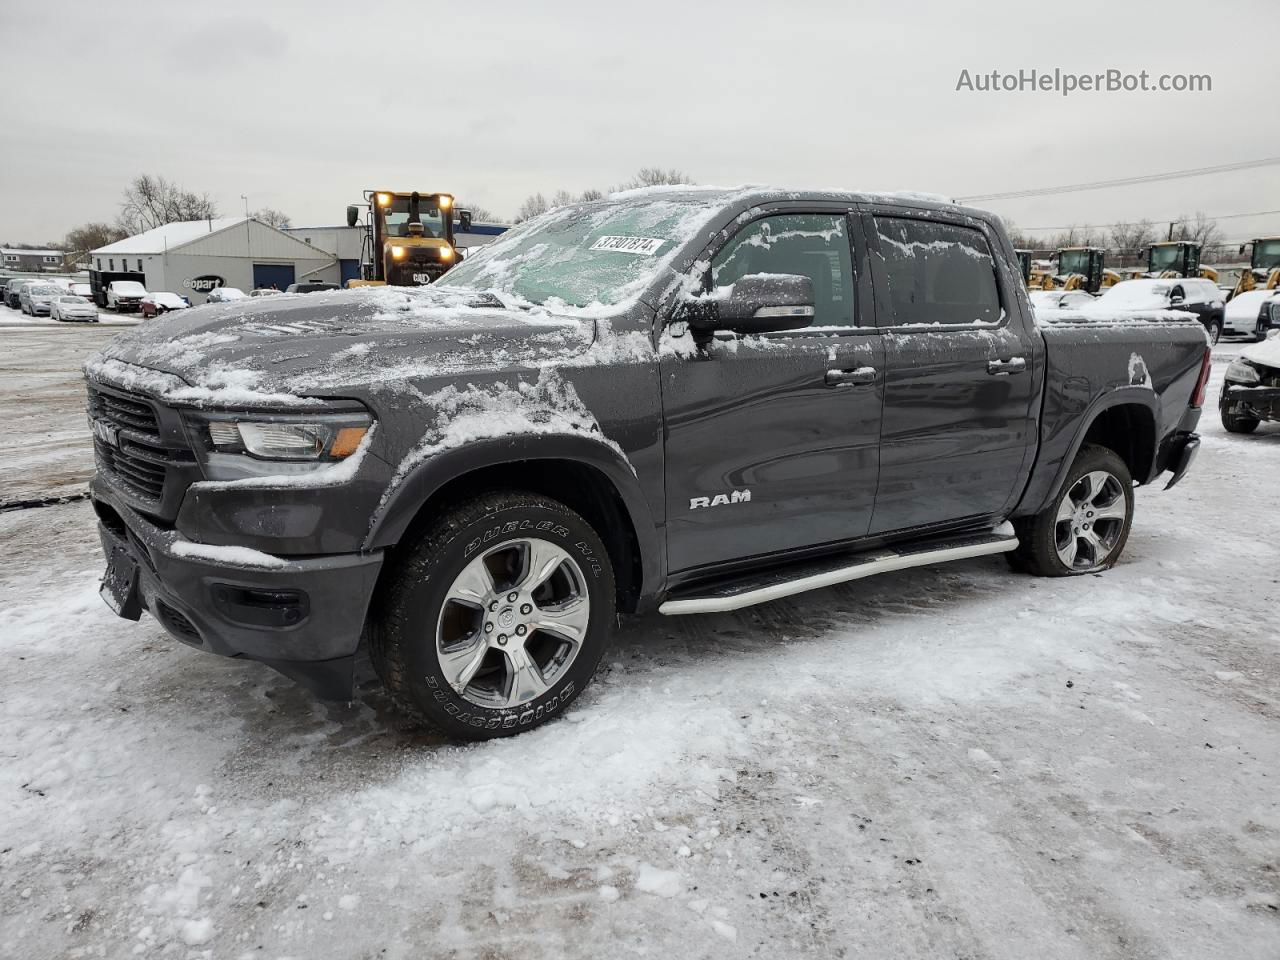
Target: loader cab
[410,238]
[1175,258]
[1081,268]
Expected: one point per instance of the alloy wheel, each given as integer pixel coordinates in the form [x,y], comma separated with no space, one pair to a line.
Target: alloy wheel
[1090,521]
[512,623]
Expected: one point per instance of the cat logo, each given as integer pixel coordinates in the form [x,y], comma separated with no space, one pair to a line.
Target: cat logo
[720,499]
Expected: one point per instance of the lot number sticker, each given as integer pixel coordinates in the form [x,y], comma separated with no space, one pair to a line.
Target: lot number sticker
[643,246]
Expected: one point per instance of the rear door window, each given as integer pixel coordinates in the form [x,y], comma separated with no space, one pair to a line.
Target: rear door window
[809,244]
[937,274]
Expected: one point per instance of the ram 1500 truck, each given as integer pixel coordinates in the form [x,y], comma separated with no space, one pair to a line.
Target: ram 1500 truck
[679,400]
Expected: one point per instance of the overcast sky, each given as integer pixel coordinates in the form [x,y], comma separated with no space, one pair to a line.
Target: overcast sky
[301,106]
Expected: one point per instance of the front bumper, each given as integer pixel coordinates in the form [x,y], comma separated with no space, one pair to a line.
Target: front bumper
[1260,403]
[303,617]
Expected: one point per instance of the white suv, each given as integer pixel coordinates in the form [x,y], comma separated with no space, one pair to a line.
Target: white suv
[125,295]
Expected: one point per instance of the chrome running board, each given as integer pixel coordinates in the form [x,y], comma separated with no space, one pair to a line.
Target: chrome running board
[735,596]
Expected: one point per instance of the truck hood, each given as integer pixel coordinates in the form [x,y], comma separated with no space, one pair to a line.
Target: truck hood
[280,349]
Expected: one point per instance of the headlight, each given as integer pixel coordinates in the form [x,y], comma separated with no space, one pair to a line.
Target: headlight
[1241,371]
[446,253]
[398,253]
[326,437]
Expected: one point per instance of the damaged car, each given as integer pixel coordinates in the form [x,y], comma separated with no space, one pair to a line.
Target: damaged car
[1251,387]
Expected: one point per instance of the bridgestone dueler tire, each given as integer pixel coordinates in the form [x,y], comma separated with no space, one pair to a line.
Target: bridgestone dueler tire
[403,629]
[1036,553]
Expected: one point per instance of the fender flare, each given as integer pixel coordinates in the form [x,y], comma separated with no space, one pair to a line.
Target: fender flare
[1122,396]
[407,497]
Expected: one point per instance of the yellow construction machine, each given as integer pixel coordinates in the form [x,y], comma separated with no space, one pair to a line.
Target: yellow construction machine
[408,237]
[1263,272]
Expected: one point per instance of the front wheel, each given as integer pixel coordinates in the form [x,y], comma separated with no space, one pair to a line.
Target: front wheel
[496,619]
[1084,529]
[1234,424]
[1215,332]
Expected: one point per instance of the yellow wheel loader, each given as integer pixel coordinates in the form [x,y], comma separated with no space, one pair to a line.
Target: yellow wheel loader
[409,238]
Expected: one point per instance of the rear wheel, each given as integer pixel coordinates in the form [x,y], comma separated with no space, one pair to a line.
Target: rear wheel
[1259,331]
[1085,527]
[497,618]
[1215,332]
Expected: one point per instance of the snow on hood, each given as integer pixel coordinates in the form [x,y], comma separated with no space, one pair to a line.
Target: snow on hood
[1266,353]
[278,350]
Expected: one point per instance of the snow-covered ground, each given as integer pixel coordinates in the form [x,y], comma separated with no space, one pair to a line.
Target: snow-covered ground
[948,762]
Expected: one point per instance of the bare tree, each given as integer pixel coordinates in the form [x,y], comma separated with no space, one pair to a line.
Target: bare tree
[1130,241]
[591,194]
[478,213]
[1201,228]
[654,177]
[91,236]
[151,201]
[272,218]
[533,206]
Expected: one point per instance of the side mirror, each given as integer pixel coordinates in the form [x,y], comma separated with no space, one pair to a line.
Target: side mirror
[464,219]
[353,216]
[1177,300]
[756,303]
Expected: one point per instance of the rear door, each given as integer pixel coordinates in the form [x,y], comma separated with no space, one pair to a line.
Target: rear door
[961,376]
[772,441]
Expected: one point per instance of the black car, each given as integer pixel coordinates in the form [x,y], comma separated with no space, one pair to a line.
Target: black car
[1251,385]
[1196,296]
[683,402]
[310,287]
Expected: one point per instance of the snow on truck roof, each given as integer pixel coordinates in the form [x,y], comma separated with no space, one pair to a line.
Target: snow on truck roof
[754,190]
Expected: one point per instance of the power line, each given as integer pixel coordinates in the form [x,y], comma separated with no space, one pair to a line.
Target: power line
[1124,181]
[1129,223]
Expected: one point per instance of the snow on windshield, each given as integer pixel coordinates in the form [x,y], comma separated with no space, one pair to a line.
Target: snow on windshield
[598,253]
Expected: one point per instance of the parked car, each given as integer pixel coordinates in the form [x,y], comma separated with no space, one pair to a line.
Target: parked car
[81,290]
[784,395]
[36,298]
[263,292]
[154,304]
[69,307]
[125,296]
[225,295]
[1249,314]
[1060,299]
[310,287]
[13,292]
[1195,296]
[1251,386]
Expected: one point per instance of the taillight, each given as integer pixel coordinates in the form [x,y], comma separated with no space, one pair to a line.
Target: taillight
[1197,398]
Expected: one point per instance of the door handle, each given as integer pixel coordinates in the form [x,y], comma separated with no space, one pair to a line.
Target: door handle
[846,378]
[1002,368]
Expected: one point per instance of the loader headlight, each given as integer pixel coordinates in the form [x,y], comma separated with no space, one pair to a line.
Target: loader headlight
[1241,371]
[446,201]
[398,253]
[446,253]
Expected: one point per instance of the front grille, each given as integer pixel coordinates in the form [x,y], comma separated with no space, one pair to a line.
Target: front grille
[141,448]
[126,413]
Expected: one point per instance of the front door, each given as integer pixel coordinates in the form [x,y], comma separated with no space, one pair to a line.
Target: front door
[772,441]
[961,374]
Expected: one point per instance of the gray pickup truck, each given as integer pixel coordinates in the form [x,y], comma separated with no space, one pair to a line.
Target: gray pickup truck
[681,400]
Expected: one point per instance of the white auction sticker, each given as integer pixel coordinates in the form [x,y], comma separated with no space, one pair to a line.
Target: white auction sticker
[644,246]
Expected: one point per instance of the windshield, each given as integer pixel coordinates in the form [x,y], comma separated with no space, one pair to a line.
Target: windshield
[1266,254]
[1136,294]
[583,254]
[1165,258]
[395,218]
[45,291]
[1074,261]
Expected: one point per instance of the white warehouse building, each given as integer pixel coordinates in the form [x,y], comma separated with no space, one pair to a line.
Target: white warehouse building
[193,257]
